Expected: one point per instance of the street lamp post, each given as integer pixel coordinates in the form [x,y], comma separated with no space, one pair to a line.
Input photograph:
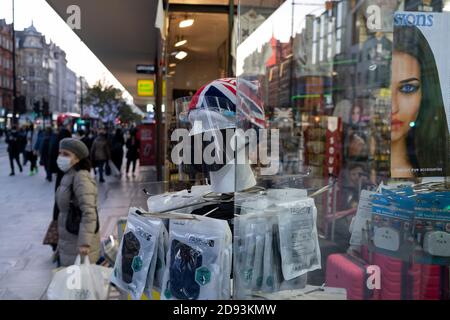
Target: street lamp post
[81,97]
[14,118]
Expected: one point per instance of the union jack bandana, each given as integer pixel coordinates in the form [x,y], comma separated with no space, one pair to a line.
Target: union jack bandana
[224,89]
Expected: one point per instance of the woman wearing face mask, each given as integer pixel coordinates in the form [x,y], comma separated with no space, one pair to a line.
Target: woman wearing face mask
[79,188]
[419,131]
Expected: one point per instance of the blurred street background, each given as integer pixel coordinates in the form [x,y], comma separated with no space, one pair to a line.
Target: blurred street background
[26,211]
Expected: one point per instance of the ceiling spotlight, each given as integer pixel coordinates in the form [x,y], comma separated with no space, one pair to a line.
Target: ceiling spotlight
[180,42]
[186,23]
[171,73]
[172,65]
[181,55]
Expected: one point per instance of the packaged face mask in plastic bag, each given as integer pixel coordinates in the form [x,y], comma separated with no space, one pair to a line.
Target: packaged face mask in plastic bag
[253,254]
[135,254]
[194,269]
[157,265]
[299,243]
[226,267]
[271,269]
[148,289]
[163,247]
[244,255]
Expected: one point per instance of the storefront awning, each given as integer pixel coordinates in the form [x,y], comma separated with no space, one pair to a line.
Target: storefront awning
[121,33]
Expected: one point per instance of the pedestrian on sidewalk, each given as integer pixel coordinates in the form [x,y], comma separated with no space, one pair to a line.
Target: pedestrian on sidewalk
[44,152]
[101,152]
[88,138]
[117,149]
[13,141]
[77,194]
[30,152]
[133,146]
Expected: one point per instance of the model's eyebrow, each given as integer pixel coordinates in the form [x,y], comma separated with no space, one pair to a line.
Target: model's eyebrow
[409,80]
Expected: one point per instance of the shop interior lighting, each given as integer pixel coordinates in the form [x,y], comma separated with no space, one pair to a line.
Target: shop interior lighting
[172,65]
[181,55]
[186,23]
[180,42]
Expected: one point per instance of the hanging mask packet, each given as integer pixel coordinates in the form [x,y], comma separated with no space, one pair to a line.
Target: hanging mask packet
[243,252]
[163,247]
[227,255]
[250,235]
[299,242]
[194,269]
[392,218]
[157,265]
[432,228]
[272,274]
[136,252]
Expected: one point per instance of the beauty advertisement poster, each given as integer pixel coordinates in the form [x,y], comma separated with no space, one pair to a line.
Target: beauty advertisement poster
[420,87]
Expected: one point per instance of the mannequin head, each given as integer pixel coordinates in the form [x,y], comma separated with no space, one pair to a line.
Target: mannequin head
[211,115]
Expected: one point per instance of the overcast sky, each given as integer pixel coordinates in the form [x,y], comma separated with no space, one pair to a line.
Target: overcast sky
[80,59]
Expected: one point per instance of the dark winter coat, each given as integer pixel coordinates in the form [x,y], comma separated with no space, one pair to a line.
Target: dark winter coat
[133,145]
[87,141]
[13,141]
[100,150]
[117,150]
[22,140]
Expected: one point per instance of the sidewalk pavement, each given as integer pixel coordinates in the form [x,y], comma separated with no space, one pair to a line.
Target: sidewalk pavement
[26,206]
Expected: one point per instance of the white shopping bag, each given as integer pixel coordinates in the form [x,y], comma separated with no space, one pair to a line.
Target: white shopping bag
[114,171]
[80,282]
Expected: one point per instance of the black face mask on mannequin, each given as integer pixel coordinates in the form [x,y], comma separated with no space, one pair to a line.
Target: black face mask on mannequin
[222,159]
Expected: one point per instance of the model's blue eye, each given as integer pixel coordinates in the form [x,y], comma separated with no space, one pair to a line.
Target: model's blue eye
[409,88]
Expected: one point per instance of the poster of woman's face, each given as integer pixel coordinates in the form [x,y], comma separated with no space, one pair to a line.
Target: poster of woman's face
[419,131]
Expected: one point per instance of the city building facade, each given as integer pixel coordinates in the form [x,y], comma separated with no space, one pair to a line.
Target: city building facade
[43,78]
[6,69]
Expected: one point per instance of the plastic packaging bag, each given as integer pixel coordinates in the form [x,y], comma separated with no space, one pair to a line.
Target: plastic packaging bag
[157,265]
[174,200]
[163,247]
[249,250]
[194,269]
[299,242]
[136,253]
[80,282]
[226,267]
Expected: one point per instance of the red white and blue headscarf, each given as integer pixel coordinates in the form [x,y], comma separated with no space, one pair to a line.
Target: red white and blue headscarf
[224,89]
[213,107]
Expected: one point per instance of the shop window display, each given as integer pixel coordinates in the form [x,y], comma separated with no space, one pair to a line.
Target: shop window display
[355,90]
[320,172]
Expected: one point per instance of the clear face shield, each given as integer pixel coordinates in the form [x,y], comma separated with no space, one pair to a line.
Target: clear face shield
[205,130]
